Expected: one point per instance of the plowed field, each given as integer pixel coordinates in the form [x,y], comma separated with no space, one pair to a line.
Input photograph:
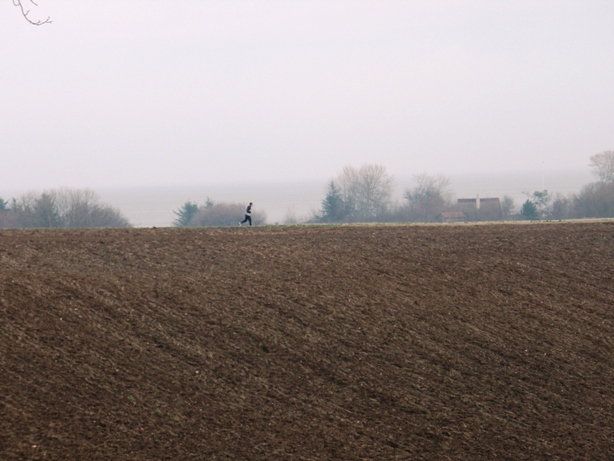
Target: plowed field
[457,342]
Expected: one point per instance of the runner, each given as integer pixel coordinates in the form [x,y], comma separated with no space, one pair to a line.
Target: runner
[248,215]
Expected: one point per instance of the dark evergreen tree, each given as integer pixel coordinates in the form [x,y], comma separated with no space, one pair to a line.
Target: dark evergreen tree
[529,211]
[46,212]
[333,206]
[187,212]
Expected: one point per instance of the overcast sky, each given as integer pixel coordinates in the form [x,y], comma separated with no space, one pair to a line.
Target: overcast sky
[160,92]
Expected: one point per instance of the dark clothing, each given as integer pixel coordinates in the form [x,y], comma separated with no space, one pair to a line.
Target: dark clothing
[248,215]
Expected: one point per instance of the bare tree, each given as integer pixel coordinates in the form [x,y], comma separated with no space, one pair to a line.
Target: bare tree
[82,208]
[21,211]
[602,166]
[507,206]
[25,11]
[595,200]
[559,207]
[62,208]
[366,192]
[292,217]
[429,197]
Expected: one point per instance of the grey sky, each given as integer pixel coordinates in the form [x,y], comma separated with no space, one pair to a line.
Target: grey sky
[149,92]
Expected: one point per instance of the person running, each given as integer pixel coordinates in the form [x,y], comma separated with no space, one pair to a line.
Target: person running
[248,215]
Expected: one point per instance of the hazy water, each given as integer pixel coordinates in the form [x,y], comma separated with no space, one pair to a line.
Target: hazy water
[154,206]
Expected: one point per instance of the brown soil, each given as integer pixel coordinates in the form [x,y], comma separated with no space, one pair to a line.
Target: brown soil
[312,343]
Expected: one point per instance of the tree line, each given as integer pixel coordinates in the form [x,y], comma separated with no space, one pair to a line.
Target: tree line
[356,195]
[59,208]
[595,200]
[365,195]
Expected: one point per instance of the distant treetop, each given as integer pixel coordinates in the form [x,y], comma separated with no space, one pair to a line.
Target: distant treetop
[602,166]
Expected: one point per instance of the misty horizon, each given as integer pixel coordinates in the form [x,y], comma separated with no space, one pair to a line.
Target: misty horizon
[149,206]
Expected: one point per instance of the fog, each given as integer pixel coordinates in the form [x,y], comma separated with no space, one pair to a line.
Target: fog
[164,93]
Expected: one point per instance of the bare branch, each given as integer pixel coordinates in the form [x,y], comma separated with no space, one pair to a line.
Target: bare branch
[602,166]
[26,13]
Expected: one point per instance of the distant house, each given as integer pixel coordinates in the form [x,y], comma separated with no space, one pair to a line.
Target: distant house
[481,208]
[452,216]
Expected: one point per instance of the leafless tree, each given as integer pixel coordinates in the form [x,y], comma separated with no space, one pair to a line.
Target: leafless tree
[429,197]
[23,6]
[508,206]
[366,191]
[61,208]
[602,166]
[82,208]
[292,217]
[559,207]
[595,200]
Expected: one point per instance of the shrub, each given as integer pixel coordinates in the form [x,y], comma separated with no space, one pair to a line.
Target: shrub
[224,214]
